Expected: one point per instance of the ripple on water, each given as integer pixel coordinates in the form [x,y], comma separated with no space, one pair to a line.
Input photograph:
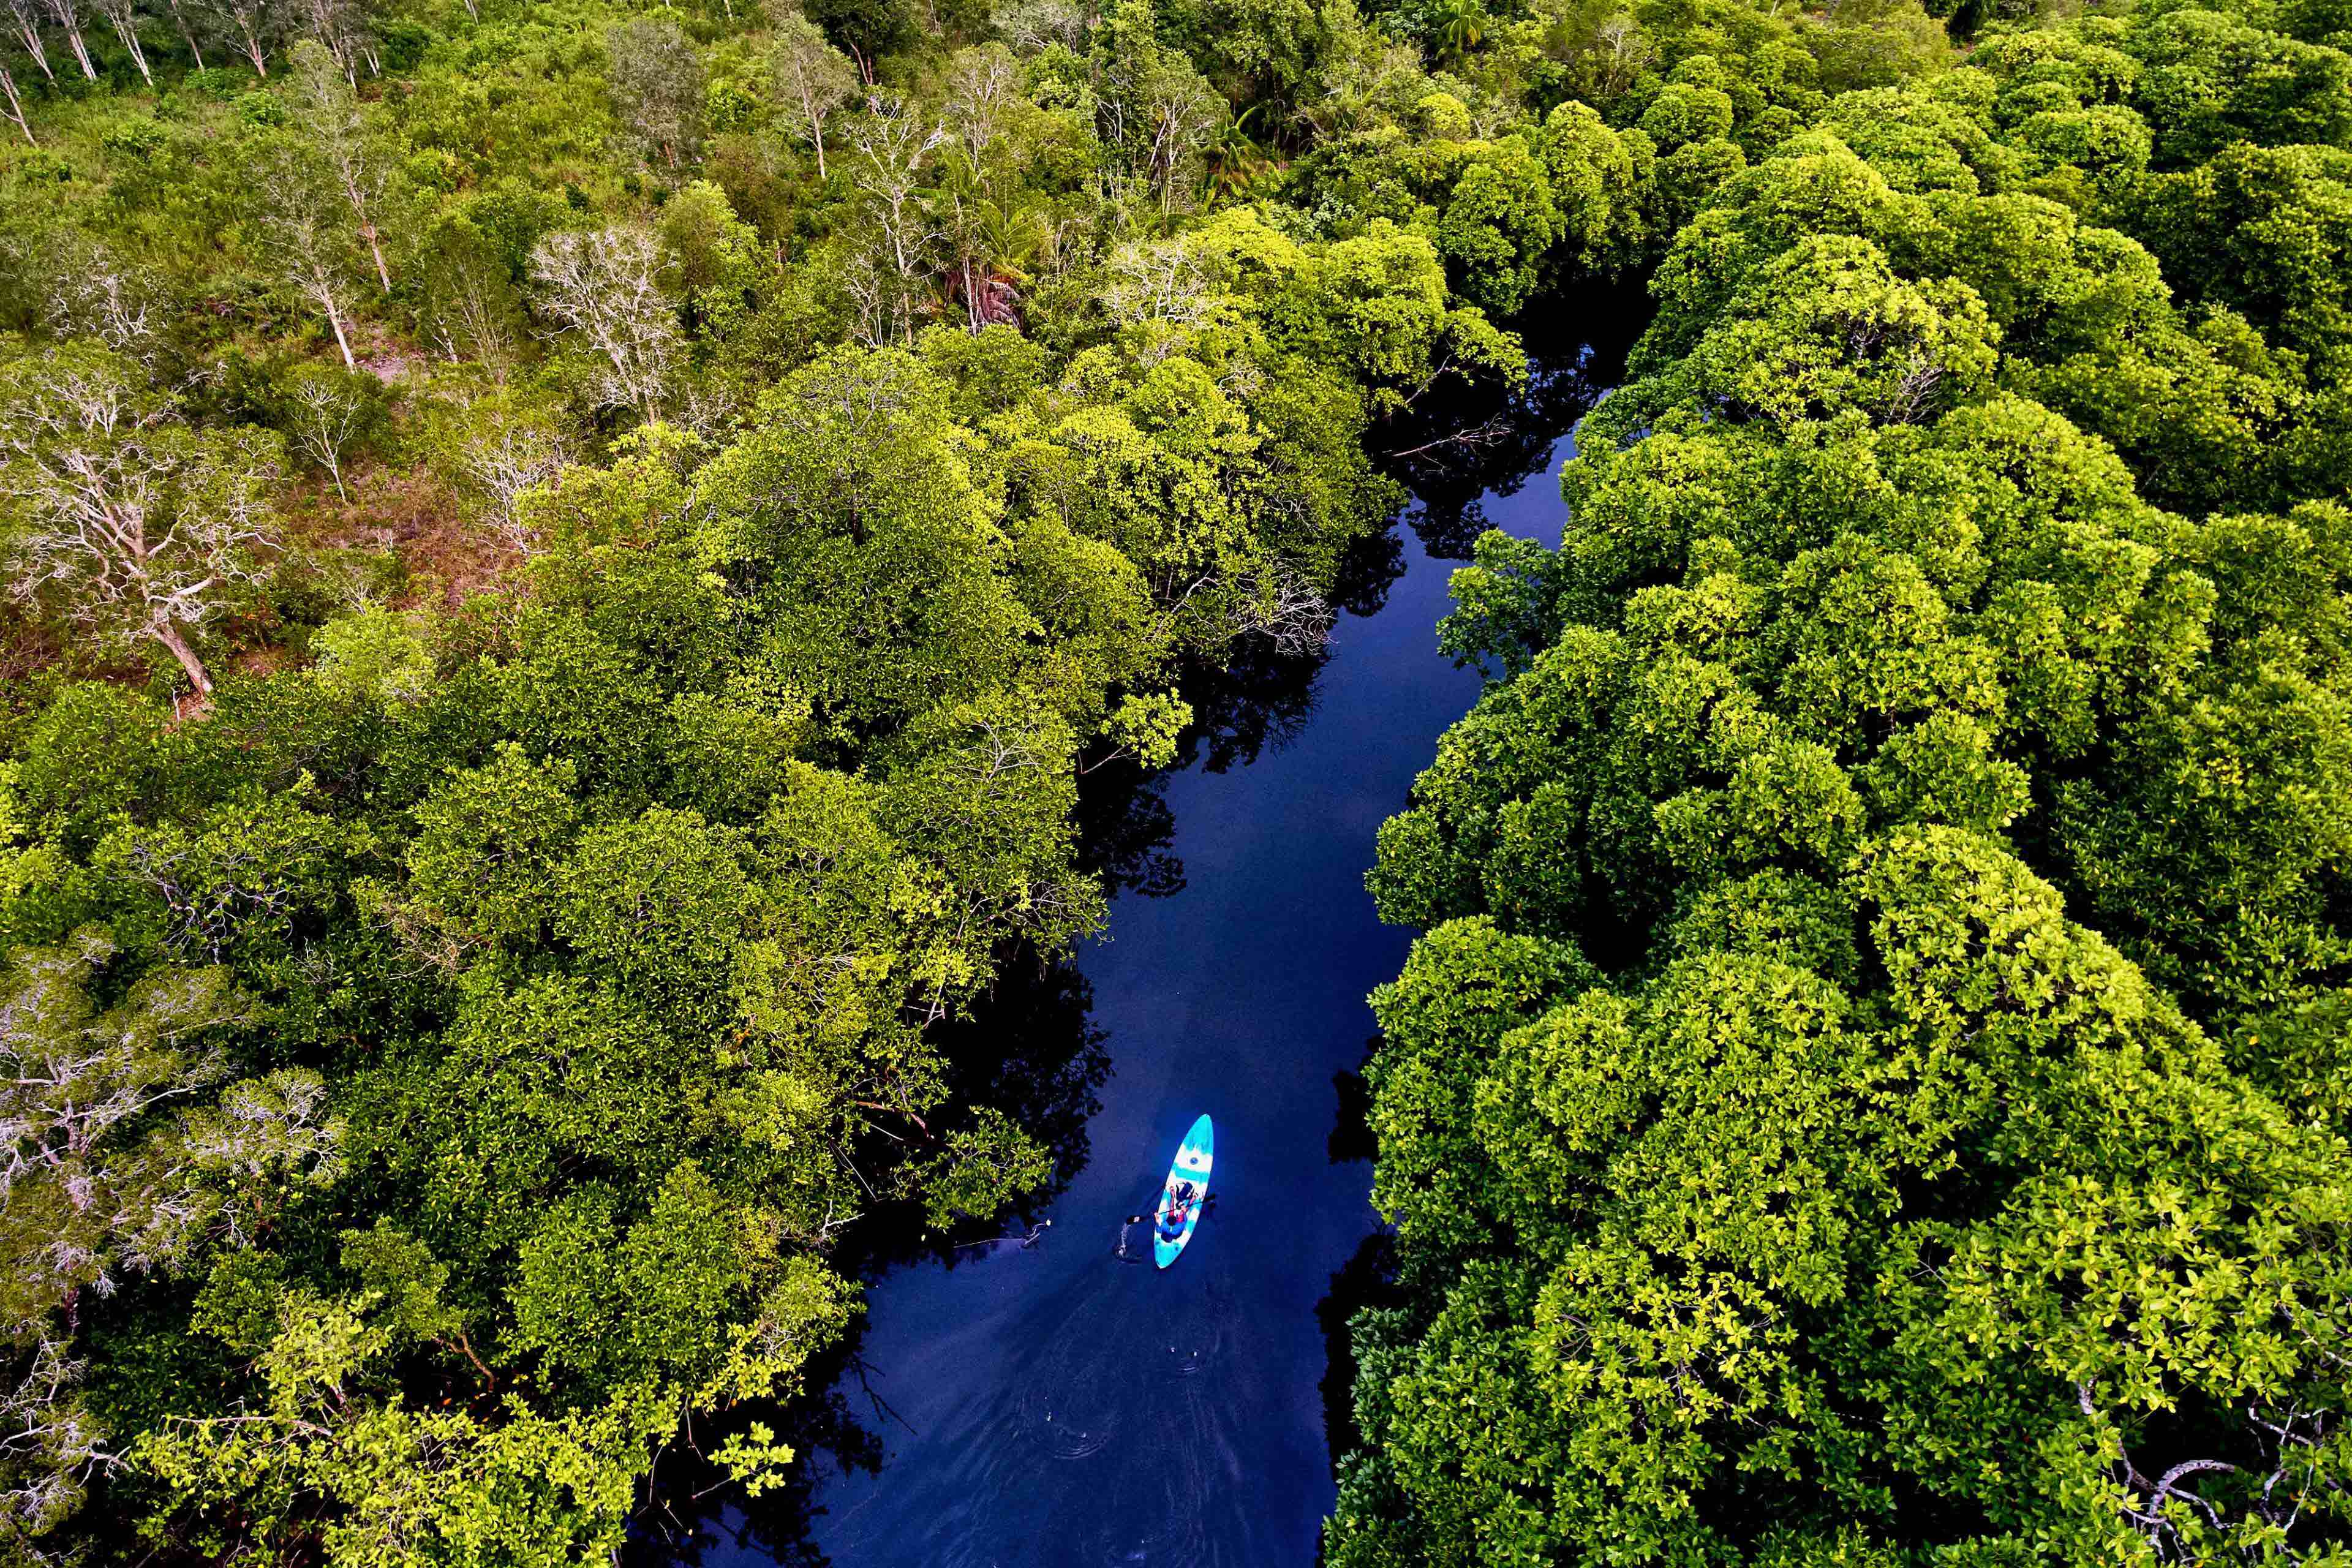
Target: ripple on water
[1120,1420]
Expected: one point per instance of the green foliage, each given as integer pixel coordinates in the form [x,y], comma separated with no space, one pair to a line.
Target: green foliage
[1934,1160]
[1869,1087]
[593,817]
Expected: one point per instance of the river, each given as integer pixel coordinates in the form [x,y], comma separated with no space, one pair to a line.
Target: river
[1053,1405]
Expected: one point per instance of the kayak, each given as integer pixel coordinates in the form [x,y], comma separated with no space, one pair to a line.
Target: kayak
[1181,1198]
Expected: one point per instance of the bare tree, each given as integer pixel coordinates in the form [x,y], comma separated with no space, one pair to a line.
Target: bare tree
[1284,609]
[604,286]
[15,103]
[508,462]
[815,76]
[657,75]
[1032,24]
[307,239]
[26,18]
[1161,281]
[140,526]
[341,28]
[327,107]
[93,292]
[252,23]
[50,1444]
[893,145]
[66,14]
[123,17]
[325,414]
[982,87]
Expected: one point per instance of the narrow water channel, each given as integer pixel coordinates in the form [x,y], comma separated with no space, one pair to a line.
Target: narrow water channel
[1053,1405]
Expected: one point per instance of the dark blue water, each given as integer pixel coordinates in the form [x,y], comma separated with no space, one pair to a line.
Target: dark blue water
[1056,1406]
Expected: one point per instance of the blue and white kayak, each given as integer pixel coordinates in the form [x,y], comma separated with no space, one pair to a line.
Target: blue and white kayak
[1187,1190]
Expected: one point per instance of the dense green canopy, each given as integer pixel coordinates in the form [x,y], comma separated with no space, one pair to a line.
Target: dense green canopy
[566,564]
[1872,1087]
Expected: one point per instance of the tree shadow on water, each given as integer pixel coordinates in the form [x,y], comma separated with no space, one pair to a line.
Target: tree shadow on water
[1031,1049]
[1367,1279]
[1489,440]
[693,1516]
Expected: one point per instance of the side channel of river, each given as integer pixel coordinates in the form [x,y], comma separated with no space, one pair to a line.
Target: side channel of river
[1053,1405]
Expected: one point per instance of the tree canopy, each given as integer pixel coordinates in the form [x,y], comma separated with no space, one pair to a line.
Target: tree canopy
[566,562]
[1869,1085]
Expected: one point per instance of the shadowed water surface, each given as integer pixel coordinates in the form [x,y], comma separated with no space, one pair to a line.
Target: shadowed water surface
[1053,1405]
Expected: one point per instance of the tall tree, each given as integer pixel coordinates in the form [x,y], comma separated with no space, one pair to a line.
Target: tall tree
[123,16]
[815,76]
[327,108]
[28,17]
[303,219]
[340,27]
[113,1165]
[66,15]
[252,25]
[894,142]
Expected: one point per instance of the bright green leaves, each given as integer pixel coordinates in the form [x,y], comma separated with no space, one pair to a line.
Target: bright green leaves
[2208,79]
[400,1274]
[1146,726]
[983,1167]
[1501,814]
[524,1083]
[1733,1178]
[851,519]
[1864,639]
[1466,985]
[658,904]
[1829,327]
[1377,303]
[612,1308]
[1944,769]
[1870,1188]
[1789,801]
[1497,225]
[484,857]
[507,1485]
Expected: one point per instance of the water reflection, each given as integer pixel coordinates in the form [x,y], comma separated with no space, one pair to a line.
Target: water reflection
[1456,457]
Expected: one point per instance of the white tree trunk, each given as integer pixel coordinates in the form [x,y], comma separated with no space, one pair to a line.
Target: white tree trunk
[15,104]
[28,33]
[335,319]
[169,636]
[126,28]
[66,17]
[187,34]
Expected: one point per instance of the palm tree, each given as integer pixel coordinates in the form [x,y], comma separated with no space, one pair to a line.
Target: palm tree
[1461,25]
[1234,160]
